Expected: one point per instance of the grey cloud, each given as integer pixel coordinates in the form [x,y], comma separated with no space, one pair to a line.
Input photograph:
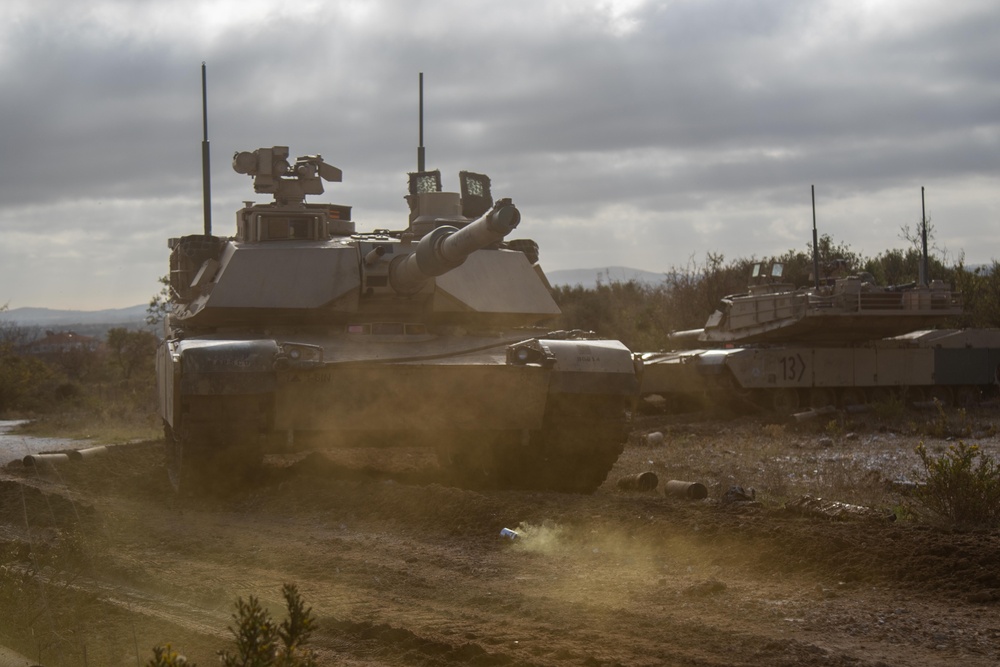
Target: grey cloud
[685,113]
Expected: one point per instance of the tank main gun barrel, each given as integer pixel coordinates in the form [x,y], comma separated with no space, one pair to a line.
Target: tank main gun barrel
[688,338]
[447,247]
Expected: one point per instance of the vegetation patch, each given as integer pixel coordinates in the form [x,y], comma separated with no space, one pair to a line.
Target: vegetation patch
[260,642]
[961,486]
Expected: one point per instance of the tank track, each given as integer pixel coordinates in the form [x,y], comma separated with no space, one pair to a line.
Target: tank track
[205,461]
[580,441]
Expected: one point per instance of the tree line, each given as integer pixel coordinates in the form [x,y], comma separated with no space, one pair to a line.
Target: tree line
[642,315]
[122,369]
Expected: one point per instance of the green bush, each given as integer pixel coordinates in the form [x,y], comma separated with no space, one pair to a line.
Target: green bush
[889,407]
[949,423]
[962,486]
[27,384]
[260,642]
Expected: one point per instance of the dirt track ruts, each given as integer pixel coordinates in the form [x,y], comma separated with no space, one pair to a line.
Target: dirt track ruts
[401,569]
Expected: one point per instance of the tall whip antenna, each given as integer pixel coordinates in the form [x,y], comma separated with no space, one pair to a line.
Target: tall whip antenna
[206,177]
[924,267]
[420,148]
[815,243]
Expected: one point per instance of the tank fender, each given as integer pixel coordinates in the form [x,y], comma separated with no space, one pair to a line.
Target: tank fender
[167,381]
[227,367]
[591,367]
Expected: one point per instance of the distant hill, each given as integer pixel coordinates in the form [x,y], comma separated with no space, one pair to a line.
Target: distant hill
[588,278]
[133,316]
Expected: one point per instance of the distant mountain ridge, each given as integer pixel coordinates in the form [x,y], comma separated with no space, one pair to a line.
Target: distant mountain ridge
[136,315]
[50,317]
[588,278]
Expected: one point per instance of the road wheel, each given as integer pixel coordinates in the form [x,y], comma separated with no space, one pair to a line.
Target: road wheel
[851,397]
[821,397]
[967,397]
[914,395]
[885,395]
[784,401]
[942,394]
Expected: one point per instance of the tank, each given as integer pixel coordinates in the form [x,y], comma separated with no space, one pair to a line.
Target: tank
[842,342]
[837,310]
[302,332]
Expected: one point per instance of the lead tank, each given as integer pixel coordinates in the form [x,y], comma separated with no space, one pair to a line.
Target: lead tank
[301,331]
[842,342]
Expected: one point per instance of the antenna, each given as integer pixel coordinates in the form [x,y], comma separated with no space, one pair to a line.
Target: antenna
[420,148]
[924,268]
[815,243]
[206,177]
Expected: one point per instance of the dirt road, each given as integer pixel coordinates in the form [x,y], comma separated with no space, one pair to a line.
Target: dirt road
[100,562]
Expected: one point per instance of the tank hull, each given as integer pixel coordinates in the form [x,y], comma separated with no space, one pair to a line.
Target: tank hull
[491,416]
[955,366]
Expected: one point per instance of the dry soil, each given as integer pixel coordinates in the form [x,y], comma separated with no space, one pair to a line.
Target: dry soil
[101,561]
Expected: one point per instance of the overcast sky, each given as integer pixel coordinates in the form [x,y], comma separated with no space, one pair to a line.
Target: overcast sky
[631,133]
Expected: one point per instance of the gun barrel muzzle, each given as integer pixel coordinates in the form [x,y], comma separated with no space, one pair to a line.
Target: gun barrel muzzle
[446,248]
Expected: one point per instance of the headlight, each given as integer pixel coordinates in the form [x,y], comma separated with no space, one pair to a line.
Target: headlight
[299,354]
[529,352]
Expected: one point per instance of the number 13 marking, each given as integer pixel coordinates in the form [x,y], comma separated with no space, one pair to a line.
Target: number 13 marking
[793,368]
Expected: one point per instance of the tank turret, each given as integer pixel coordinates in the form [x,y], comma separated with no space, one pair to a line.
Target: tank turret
[445,248]
[839,309]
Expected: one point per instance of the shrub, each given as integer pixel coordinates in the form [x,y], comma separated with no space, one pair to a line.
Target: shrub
[948,424]
[166,656]
[958,488]
[27,384]
[132,351]
[889,406]
[260,642]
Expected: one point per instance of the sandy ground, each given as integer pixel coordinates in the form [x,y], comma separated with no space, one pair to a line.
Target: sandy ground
[100,561]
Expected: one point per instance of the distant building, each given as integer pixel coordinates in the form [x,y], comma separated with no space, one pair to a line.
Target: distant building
[57,342]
